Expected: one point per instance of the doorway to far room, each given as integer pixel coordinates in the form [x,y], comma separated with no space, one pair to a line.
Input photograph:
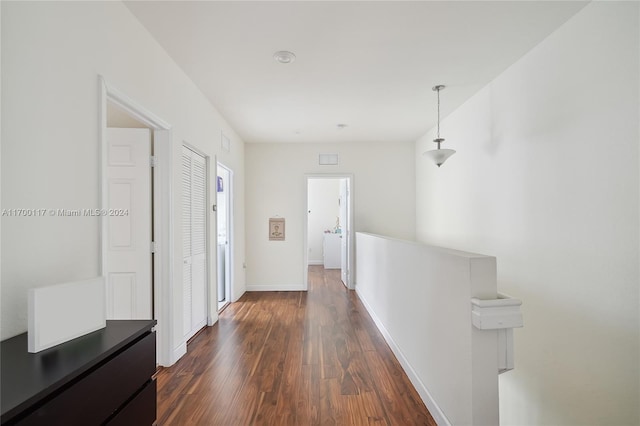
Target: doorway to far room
[328,231]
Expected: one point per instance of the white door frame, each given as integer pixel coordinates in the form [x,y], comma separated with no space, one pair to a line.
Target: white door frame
[162,211]
[230,235]
[351,241]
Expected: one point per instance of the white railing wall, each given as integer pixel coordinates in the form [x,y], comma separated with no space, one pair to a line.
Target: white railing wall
[420,298]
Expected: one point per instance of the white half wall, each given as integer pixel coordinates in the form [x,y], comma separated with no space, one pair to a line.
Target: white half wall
[384,200]
[52,54]
[324,209]
[546,179]
[420,298]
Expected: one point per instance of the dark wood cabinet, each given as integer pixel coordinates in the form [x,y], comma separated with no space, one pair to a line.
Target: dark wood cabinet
[104,377]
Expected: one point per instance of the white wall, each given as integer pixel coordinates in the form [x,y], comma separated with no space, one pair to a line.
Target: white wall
[383,191]
[546,179]
[1,137]
[323,195]
[52,53]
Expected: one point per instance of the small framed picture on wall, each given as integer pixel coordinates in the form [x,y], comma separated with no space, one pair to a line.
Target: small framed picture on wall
[276,229]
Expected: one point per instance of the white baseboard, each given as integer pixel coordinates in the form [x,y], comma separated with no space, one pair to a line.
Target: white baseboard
[178,353]
[428,400]
[272,287]
[316,262]
[238,298]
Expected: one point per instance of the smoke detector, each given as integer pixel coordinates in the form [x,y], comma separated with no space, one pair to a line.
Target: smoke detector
[284,57]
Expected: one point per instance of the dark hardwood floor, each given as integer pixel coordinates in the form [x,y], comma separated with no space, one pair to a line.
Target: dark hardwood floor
[291,358]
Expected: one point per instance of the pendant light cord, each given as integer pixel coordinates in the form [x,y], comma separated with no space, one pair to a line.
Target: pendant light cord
[436,154]
[438,115]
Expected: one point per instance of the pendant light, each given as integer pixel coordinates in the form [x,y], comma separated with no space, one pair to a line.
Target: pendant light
[439,156]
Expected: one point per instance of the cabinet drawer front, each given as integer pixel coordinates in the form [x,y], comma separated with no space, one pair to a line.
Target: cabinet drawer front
[94,397]
[141,411]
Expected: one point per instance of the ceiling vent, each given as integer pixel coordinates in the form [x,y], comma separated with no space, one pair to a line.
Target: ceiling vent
[328,159]
[225,143]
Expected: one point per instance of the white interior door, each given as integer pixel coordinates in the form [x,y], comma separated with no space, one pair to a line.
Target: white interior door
[128,269]
[344,237]
[194,202]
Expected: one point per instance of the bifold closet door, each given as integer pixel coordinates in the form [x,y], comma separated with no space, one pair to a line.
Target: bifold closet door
[194,241]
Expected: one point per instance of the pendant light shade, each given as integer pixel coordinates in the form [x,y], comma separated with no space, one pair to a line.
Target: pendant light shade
[439,156]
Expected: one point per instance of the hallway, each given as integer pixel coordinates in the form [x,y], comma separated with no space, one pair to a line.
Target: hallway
[290,358]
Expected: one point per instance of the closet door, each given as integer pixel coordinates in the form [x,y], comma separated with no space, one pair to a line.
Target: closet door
[194,241]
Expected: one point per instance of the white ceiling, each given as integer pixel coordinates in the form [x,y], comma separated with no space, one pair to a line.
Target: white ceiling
[370,65]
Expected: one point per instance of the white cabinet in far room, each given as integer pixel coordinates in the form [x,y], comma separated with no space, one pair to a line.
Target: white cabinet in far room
[331,250]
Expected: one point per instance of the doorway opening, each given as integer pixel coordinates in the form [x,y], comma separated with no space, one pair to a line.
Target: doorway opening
[129,266]
[224,189]
[329,229]
[118,109]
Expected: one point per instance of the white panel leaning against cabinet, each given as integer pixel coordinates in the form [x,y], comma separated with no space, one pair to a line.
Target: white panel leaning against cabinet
[62,312]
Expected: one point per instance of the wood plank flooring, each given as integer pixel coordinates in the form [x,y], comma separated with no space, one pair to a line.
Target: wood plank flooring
[291,358]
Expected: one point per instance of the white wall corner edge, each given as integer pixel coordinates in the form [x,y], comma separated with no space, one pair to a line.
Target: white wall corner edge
[437,414]
[62,312]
